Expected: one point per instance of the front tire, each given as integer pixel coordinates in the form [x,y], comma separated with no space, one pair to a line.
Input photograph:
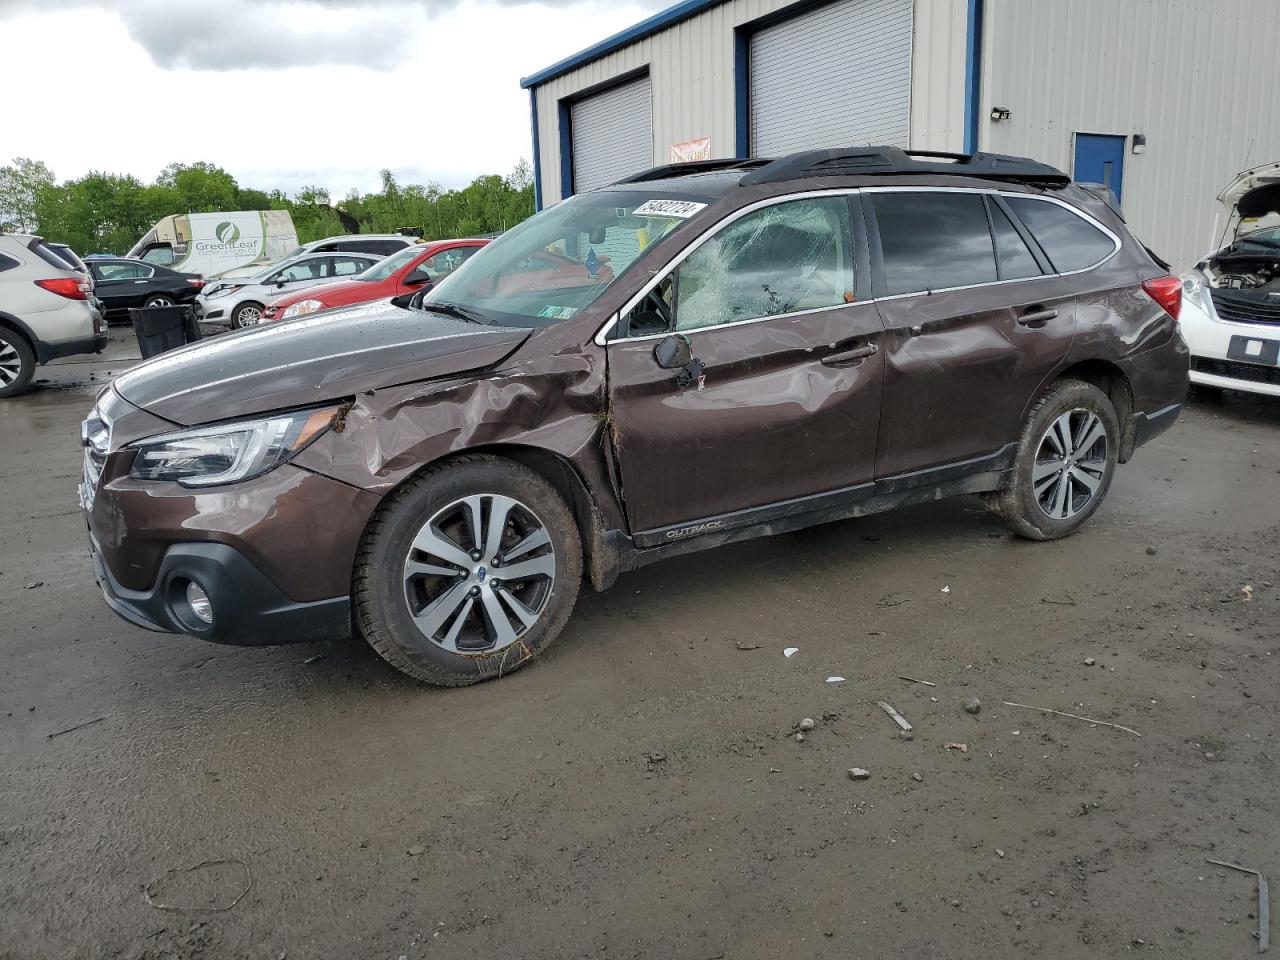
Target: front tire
[17,363]
[1066,458]
[247,315]
[467,572]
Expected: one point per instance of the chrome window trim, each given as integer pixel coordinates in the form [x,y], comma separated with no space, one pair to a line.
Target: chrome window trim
[602,335]
[674,264]
[132,263]
[1087,218]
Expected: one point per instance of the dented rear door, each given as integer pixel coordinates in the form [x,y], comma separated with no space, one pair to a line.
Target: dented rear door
[970,338]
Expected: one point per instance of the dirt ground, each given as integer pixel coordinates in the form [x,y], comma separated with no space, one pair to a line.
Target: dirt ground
[639,793]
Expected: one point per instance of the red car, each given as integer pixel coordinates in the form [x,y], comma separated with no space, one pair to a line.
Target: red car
[406,271]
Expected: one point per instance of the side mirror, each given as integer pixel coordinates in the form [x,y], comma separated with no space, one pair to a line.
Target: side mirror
[416,279]
[673,353]
[281,281]
[404,300]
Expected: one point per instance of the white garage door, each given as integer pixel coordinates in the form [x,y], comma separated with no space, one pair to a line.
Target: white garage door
[612,135]
[837,76]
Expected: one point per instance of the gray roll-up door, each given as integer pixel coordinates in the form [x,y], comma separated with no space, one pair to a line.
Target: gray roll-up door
[837,76]
[612,135]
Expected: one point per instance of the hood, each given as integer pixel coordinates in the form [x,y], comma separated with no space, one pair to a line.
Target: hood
[1253,193]
[340,292]
[239,273]
[310,360]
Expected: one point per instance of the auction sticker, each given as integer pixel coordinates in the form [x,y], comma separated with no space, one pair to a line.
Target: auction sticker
[681,209]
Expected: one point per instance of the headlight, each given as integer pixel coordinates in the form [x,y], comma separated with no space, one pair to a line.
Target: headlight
[301,307]
[229,452]
[219,292]
[1193,289]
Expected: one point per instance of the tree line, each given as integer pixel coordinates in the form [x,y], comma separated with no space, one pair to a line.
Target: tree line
[109,212]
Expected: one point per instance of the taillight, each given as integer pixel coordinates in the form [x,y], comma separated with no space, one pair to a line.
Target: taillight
[69,287]
[1166,291]
[195,282]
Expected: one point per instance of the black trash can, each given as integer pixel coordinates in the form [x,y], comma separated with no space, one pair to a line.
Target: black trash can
[163,328]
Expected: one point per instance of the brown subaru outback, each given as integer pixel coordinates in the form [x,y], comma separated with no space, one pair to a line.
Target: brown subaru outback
[695,355]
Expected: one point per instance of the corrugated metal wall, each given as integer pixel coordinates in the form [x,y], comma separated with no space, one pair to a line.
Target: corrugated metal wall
[831,77]
[691,67]
[1198,77]
[612,134]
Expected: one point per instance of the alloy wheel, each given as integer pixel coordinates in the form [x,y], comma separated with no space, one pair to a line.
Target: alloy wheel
[249,316]
[10,364]
[159,302]
[1071,463]
[479,574]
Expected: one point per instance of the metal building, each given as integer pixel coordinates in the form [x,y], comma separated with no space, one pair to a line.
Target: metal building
[1163,100]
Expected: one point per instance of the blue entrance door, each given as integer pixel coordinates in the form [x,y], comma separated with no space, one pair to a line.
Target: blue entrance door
[1100,159]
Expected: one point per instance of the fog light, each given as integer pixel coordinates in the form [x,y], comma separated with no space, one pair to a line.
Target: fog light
[199,601]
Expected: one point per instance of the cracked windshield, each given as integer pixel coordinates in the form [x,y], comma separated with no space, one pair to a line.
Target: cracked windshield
[555,265]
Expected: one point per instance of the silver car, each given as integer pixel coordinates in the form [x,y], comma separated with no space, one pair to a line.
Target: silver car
[239,301]
[46,310]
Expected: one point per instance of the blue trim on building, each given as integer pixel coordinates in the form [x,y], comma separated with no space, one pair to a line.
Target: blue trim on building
[742,92]
[537,153]
[645,28]
[565,121]
[973,76]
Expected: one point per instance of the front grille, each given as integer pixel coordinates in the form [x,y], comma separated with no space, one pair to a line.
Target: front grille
[1236,370]
[95,434]
[1241,307]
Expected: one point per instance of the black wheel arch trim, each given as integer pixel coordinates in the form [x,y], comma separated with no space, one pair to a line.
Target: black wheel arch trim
[40,348]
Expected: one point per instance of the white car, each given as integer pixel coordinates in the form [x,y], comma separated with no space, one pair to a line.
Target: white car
[46,310]
[239,301]
[376,244]
[1231,304]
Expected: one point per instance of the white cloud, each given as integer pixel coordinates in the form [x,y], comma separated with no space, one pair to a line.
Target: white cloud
[430,96]
[272,34]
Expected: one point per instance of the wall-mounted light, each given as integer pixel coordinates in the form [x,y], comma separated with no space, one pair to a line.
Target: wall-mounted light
[1139,143]
[1000,113]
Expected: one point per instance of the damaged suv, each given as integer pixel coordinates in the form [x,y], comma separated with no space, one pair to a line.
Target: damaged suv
[699,354]
[1232,316]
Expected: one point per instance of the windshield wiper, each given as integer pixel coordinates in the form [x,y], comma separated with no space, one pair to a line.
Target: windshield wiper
[453,310]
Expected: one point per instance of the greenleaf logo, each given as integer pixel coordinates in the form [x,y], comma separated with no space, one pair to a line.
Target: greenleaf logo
[227,232]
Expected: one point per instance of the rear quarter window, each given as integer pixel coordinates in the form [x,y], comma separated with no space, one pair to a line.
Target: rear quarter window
[7,263]
[1068,240]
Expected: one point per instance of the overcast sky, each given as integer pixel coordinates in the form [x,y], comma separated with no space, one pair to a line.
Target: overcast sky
[285,92]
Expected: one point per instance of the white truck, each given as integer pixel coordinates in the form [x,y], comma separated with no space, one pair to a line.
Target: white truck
[211,244]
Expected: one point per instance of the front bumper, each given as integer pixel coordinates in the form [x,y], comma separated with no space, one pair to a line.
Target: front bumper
[214,315]
[274,553]
[248,609]
[1211,364]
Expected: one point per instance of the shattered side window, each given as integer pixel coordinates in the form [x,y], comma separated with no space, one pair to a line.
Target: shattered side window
[785,258]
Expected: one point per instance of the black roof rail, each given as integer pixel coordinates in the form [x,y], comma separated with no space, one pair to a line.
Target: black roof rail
[859,161]
[668,170]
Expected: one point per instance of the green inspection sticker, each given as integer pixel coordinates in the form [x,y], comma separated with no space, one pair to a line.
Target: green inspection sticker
[552,312]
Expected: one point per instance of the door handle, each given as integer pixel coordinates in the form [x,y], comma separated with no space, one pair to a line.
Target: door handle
[847,358]
[139,281]
[1032,317]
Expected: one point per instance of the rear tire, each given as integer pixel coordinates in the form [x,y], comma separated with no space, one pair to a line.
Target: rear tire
[17,363]
[159,300]
[448,607]
[1066,459]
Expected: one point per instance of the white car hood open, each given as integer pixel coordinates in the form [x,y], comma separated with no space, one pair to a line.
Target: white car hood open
[1253,193]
